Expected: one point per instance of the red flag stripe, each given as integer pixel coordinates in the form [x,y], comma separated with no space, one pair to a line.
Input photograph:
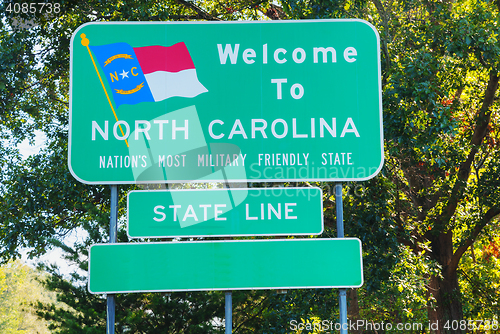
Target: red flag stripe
[173,58]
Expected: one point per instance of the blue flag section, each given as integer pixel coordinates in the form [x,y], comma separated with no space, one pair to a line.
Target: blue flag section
[123,73]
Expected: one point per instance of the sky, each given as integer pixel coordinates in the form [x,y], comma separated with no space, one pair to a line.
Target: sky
[55,256]
[27,150]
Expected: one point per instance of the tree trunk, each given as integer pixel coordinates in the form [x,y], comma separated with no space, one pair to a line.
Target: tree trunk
[445,311]
[352,307]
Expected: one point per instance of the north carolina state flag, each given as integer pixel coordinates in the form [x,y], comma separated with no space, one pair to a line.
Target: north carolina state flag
[169,71]
[148,74]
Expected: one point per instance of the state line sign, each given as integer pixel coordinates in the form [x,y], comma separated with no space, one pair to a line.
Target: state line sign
[205,102]
[226,212]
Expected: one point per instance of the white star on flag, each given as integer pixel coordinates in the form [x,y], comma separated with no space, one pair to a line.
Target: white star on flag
[124,74]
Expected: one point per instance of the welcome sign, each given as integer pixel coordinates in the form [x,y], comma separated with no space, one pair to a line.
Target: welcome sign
[237,101]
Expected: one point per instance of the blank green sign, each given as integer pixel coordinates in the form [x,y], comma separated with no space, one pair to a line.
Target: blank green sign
[225,212]
[225,265]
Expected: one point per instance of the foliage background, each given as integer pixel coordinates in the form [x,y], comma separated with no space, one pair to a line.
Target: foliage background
[428,222]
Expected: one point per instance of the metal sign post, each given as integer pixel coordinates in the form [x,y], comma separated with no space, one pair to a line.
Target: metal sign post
[228,307]
[340,234]
[110,321]
[229,312]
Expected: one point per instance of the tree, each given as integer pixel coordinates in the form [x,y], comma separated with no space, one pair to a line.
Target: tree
[478,273]
[20,291]
[441,112]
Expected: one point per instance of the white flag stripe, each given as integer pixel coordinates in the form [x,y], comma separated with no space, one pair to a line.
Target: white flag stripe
[168,84]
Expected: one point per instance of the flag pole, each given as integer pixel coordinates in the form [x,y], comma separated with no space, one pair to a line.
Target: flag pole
[86,42]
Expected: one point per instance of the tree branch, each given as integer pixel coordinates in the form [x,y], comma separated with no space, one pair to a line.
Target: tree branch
[203,15]
[261,303]
[383,15]
[480,132]
[275,12]
[490,214]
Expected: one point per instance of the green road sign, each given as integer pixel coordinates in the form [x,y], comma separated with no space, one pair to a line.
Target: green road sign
[225,212]
[201,101]
[225,265]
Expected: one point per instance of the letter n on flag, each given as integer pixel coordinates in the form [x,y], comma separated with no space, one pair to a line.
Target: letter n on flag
[148,74]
